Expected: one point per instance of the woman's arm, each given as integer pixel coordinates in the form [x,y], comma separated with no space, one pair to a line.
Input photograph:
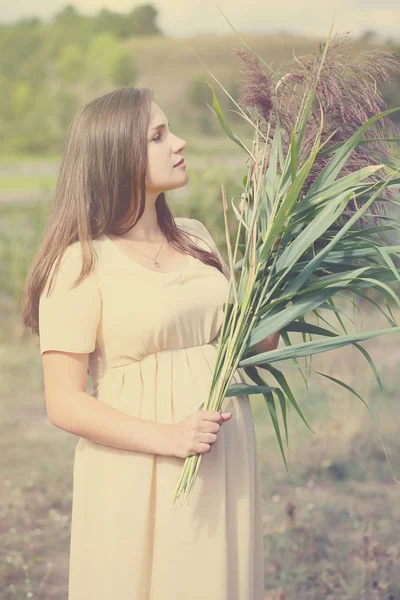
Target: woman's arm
[70,408]
[270,343]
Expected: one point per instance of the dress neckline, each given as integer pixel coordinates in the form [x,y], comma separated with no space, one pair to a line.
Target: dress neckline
[141,267]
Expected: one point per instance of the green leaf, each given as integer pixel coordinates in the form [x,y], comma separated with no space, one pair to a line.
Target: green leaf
[329,190]
[312,232]
[308,328]
[272,179]
[337,315]
[385,253]
[321,318]
[327,306]
[282,402]
[254,375]
[240,219]
[223,123]
[390,319]
[375,283]
[334,166]
[300,279]
[279,376]
[286,339]
[347,387]
[335,147]
[293,156]
[314,347]
[372,365]
[244,389]
[279,318]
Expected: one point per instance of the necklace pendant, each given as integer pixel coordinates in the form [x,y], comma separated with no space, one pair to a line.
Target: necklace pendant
[157,263]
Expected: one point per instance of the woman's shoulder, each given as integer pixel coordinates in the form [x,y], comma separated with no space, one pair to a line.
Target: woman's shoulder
[193,226]
[189,223]
[73,256]
[182,221]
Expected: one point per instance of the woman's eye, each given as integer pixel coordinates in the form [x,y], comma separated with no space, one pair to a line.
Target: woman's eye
[157,138]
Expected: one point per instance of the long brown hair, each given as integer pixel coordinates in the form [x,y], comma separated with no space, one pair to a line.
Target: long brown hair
[104,163]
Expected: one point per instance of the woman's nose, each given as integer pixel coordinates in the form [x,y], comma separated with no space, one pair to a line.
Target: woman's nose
[181,143]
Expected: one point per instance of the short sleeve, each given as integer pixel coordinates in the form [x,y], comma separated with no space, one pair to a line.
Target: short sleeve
[69,317]
[202,229]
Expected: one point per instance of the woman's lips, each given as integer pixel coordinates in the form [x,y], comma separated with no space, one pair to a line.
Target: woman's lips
[181,164]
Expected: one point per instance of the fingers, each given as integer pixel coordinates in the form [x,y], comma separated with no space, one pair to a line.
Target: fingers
[216,416]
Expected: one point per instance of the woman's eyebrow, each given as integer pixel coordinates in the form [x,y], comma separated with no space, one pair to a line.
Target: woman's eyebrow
[161,126]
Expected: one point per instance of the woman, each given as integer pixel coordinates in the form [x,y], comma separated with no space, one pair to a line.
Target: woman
[136,300]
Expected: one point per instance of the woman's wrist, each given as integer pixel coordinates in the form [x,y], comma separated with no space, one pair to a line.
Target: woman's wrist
[166,444]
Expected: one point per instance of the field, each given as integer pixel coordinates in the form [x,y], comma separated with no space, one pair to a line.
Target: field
[332,532]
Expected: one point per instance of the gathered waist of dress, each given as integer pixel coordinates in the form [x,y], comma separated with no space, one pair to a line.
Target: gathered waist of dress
[123,361]
[99,373]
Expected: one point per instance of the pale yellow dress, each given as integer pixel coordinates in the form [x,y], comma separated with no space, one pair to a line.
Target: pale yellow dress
[152,343]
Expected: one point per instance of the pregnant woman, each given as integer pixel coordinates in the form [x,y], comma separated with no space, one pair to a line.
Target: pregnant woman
[122,290]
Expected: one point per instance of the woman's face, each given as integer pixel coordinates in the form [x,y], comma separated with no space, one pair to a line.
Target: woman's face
[164,150]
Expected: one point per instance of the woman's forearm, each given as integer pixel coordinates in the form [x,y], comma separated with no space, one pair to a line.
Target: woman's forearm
[87,417]
[270,343]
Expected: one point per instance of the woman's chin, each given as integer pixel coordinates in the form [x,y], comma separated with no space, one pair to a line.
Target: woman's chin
[184,179]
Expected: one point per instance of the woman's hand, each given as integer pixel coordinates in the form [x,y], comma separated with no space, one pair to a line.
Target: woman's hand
[270,343]
[196,433]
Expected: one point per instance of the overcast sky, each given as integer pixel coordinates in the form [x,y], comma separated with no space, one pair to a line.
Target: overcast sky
[184,18]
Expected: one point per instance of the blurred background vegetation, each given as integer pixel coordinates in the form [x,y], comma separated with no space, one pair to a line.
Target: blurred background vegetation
[334,533]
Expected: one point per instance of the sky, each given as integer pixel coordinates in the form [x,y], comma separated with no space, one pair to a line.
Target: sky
[186,18]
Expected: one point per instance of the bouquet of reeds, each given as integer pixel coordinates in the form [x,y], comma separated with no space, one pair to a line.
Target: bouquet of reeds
[313,211]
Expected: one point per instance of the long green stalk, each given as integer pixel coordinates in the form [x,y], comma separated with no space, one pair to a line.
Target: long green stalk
[298,256]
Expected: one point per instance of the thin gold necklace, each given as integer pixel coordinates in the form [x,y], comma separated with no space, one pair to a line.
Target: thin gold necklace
[157,264]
